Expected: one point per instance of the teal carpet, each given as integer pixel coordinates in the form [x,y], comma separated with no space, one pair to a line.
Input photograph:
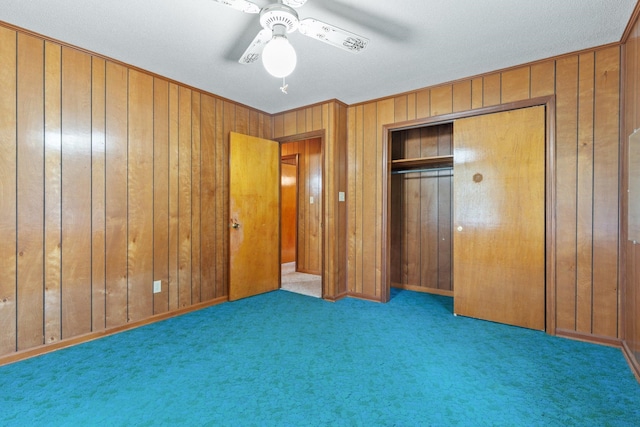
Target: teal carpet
[283,359]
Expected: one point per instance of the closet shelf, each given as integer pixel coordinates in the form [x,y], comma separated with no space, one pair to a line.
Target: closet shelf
[422,163]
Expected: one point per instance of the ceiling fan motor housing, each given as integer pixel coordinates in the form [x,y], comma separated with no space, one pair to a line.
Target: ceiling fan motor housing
[279,14]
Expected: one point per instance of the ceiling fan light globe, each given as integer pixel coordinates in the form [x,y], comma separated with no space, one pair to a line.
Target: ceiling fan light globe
[279,57]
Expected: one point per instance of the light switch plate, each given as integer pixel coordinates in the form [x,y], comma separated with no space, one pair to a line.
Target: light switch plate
[311,200]
[157,286]
[341,196]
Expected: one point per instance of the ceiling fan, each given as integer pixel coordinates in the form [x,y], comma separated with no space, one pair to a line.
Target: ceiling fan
[278,19]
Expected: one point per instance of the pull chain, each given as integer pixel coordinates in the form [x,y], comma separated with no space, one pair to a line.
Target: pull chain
[284,86]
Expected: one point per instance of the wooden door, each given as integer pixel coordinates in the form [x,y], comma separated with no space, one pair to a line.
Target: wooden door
[254,207]
[499,217]
[289,207]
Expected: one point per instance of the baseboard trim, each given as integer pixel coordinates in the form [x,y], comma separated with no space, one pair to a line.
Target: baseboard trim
[49,348]
[631,360]
[338,297]
[594,339]
[363,297]
[422,289]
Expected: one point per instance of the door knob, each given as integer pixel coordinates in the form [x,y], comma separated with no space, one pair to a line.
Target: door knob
[459,228]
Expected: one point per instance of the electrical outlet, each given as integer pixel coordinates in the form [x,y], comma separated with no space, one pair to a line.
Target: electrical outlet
[157,286]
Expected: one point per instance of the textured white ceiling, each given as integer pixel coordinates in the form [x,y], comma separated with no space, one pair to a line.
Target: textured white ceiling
[414,43]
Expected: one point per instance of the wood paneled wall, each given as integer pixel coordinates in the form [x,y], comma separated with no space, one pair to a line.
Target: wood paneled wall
[309,238]
[111,178]
[329,118]
[421,213]
[586,86]
[630,251]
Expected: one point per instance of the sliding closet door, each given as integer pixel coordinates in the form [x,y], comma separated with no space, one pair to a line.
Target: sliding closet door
[499,217]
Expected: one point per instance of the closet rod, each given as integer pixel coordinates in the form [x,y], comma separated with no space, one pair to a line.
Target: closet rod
[444,168]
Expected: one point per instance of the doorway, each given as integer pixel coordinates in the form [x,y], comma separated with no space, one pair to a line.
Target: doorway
[301,216]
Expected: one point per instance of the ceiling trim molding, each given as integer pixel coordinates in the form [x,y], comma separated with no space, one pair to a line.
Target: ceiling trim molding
[632,22]
[328,101]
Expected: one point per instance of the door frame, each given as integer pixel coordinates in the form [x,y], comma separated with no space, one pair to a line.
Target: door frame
[297,160]
[319,134]
[549,102]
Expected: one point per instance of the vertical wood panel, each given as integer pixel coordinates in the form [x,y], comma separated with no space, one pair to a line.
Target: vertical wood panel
[222,226]
[290,123]
[445,211]
[208,199]
[516,85]
[315,219]
[304,208]
[584,239]
[196,232]
[8,171]
[543,79]
[566,160]
[462,96]
[477,93]
[352,191]
[341,144]
[227,126]
[441,100]
[97,194]
[317,117]
[242,119]
[161,193]
[430,221]
[491,90]
[30,191]
[368,241]
[76,192]
[411,249]
[605,214]
[184,198]
[53,188]
[423,103]
[384,116]
[174,184]
[400,109]
[116,195]
[301,121]
[411,106]
[140,196]
[278,126]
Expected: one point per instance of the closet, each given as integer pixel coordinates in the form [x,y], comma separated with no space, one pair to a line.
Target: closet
[481,236]
[421,209]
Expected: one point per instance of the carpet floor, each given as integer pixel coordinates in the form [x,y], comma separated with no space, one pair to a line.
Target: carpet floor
[283,359]
[300,283]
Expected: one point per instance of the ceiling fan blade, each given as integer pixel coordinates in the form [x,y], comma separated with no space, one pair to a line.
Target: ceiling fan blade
[253,52]
[294,3]
[333,35]
[241,5]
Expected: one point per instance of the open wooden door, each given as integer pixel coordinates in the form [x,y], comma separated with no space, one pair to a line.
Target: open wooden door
[254,205]
[499,217]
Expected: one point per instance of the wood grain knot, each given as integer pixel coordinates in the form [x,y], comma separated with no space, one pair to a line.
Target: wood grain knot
[477,177]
